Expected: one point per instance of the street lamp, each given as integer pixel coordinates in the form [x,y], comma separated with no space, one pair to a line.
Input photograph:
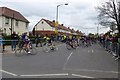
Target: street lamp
[57,11]
[56,24]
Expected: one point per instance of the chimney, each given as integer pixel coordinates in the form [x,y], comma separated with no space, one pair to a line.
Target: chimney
[53,20]
[68,27]
[62,24]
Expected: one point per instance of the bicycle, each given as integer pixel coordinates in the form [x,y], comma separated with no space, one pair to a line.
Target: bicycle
[49,46]
[71,44]
[21,49]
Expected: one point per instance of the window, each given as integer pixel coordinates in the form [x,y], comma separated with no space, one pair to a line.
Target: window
[17,23]
[6,21]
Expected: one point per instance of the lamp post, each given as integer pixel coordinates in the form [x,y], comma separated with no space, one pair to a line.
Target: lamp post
[12,24]
[56,23]
[57,10]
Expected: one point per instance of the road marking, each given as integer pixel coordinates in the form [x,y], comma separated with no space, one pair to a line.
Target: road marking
[88,51]
[67,60]
[69,56]
[92,51]
[8,73]
[82,76]
[1,53]
[63,74]
[87,70]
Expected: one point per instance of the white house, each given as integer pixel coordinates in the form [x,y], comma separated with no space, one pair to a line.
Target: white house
[48,27]
[11,20]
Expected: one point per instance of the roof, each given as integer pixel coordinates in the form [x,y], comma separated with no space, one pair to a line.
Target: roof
[79,32]
[52,24]
[72,30]
[12,14]
[60,26]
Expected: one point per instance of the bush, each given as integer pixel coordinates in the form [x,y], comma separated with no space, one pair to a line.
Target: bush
[32,38]
[7,38]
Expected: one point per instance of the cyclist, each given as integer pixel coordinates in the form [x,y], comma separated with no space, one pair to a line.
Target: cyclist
[46,38]
[74,41]
[84,41]
[64,38]
[26,41]
[49,41]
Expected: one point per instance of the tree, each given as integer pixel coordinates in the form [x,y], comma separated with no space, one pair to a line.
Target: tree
[109,14]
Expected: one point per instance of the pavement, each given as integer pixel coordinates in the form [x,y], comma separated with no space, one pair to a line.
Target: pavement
[7,50]
[89,62]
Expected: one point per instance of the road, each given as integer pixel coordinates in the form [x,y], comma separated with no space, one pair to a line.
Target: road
[89,62]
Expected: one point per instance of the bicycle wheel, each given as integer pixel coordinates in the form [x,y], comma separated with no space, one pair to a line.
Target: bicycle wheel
[56,48]
[33,50]
[75,45]
[20,52]
[68,46]
[46,48]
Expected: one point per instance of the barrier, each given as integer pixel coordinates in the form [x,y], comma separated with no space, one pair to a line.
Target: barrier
[112,48]
[3,45]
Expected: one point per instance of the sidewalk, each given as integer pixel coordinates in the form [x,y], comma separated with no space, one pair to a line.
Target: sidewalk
[7,50]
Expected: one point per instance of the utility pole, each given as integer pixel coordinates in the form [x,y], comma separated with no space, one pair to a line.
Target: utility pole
[98,29]
[12,24]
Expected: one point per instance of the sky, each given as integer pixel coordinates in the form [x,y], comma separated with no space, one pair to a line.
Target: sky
[78,14]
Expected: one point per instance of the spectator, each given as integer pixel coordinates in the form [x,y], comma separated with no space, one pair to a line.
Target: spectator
[37,39]
[14,38]
[114,42]
[119,47]
[2,42]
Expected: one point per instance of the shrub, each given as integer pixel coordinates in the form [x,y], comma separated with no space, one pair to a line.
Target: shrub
[32,38]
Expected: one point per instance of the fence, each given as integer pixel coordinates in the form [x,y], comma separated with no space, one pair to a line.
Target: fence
[112,48]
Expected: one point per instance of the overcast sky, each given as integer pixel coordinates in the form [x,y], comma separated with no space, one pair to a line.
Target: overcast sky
[78,14]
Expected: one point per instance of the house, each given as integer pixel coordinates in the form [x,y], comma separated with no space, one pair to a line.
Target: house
[48,27]
[11,20]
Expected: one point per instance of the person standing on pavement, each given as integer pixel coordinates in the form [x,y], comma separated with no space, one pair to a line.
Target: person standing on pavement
[2,42]
[37,39]
[14,38]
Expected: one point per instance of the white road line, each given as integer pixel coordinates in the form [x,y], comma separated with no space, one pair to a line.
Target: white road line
[92,51]
[69,56]
[8,73]
[88,51]
[63,74]
[82,76]
[67,60]
[87,70]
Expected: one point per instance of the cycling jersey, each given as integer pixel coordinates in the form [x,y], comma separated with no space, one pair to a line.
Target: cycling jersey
[47,38]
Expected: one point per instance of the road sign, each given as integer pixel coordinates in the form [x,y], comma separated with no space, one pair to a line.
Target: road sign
[56,31]
[56,24]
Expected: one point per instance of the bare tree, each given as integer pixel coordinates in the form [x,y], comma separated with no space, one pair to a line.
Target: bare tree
[109,14]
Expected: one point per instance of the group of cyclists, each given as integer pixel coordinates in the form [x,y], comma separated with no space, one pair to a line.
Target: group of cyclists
[111,43]
[73,41]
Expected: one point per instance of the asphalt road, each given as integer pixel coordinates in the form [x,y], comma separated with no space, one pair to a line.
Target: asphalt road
[89,62]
